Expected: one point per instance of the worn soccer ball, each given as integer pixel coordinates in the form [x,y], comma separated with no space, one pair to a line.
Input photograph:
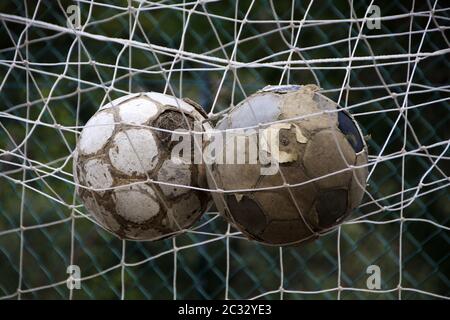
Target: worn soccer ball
[120,152]
[321,154]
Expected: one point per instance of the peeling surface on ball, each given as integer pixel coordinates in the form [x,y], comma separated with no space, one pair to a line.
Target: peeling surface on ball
[137,111]
[322,157]
[136,203]
[96,132]
[134,151]
[302,104]
[289,148]
[97,174]
[175,171]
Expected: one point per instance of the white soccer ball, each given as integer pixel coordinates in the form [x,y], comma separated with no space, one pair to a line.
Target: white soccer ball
[119,155]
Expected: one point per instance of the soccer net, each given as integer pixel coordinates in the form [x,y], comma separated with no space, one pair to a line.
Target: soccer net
[386,62]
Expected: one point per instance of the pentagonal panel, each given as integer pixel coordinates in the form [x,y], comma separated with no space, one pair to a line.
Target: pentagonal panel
[134,151]
[96,132]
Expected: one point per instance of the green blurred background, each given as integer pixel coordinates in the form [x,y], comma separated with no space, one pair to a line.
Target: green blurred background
[36,258]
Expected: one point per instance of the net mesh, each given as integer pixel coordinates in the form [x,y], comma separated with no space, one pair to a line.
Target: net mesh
[393,79]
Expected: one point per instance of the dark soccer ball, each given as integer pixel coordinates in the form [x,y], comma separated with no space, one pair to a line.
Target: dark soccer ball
[321,151]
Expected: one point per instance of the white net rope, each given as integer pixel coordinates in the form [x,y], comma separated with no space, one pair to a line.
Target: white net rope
[54,77]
